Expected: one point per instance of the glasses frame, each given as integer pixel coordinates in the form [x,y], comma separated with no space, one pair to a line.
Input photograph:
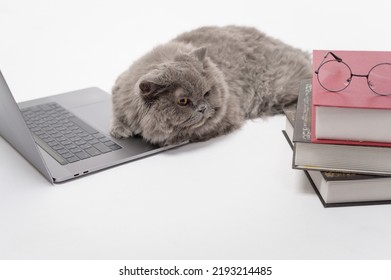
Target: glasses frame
[349,80]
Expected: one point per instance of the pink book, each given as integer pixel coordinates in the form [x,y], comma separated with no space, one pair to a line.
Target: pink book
[349,111]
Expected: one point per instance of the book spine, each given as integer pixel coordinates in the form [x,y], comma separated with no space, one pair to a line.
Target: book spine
[302,132]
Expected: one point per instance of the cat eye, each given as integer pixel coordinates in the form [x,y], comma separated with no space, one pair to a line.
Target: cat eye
[183,101]
[207,93]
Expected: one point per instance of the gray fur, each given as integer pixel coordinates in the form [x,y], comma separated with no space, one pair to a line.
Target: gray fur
[244,74]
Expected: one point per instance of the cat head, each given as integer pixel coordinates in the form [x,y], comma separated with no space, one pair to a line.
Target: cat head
[183,96]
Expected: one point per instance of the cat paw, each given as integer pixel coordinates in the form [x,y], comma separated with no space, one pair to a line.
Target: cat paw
[118,130]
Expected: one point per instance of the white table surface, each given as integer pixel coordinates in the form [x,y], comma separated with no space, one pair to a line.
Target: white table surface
[234,197]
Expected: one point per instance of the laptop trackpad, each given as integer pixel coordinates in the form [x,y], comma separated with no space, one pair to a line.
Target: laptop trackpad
[98,114]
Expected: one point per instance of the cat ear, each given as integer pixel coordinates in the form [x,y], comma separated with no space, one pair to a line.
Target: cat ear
[199,53]
[147,88]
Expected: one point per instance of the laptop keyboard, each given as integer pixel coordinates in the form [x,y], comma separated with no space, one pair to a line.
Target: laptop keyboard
[64,136]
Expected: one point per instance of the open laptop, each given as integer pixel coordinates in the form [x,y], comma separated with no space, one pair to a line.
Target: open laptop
[67,135]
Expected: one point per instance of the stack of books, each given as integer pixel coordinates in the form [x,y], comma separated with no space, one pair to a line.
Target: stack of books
[340,131]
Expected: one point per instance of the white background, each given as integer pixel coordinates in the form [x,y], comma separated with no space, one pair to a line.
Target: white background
[235,197]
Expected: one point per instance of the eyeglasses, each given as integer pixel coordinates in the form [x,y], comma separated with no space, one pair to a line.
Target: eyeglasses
[335,75]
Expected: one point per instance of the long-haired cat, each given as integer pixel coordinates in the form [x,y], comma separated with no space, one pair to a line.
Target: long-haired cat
[206,83]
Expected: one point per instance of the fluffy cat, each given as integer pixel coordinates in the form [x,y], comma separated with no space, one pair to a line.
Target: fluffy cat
[206,83]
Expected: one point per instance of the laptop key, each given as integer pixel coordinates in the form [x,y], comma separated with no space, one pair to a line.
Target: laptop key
[115,147]
[52,143]
[72,159]
[93,151]
[66,142]
[62,151]
[67,155]
[75,138]
[102,148]
[83,125]
[98,135]
[82,155]
[75,150]
[70,146]
[84,134]
[57,147]
[80,142]
[108,142]
[85,146]
[87,138]
[78,131]
[93,141]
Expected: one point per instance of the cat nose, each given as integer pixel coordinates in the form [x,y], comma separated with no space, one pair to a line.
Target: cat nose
[201,108]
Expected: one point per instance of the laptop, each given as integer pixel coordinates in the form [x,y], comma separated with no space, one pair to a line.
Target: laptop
[66,136]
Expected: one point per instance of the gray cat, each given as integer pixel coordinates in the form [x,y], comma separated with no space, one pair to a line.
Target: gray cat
[206,83]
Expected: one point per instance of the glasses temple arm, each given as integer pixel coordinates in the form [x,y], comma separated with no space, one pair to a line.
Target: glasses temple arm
[333,55]
[336,57]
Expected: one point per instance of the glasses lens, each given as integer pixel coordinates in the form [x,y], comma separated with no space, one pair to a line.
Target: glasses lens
[379,79]
[334,75]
